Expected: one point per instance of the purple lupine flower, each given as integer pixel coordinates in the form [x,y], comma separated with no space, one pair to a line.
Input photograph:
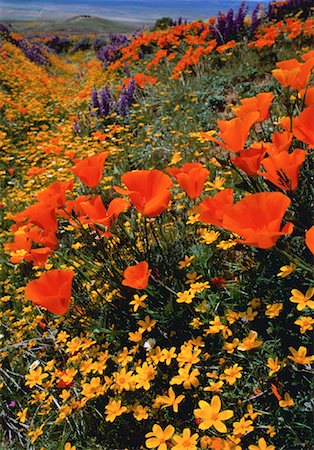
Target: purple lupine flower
[229,26]
[239,18]
[131,91]
[11,404]
[95,99]
[256,20]
[123,103]
[105,101]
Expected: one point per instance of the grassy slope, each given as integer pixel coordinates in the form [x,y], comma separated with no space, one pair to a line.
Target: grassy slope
[75,25]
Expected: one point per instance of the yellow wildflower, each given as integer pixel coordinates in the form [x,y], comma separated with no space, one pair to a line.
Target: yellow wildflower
[232,373]
[242,427]
[305,323]
[250,342]
[35,377]
[274,365]
[186,262]
[114,409]
[186,441]
[140,412]
[262,445]
[211,415]
[302,300]
[288,401]
[168,355]
[186,378]
[172,400]
[34,434]
[158,437]
[138,301]
[299,356]
[185,296]
[273,310]
[146,325]
[69,446]
[286,270]
[21,415]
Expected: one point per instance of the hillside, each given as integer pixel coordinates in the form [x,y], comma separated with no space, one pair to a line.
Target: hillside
[156,236]
[74,25]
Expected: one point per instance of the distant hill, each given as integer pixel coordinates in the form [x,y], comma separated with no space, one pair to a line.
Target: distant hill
[83,24]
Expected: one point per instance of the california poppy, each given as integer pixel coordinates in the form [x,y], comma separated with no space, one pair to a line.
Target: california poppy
[35,171]
[137,276]
[283,169]
[281,141]
[148,190]
[89,170]
[250,160]
[257,219]
[234,132]
[261,103]
[213,209]
[38,256]
[52,290]
[191,177]
[302,126]
[292,73]
[97,212]
[54,194]
[309,239]
[40,214]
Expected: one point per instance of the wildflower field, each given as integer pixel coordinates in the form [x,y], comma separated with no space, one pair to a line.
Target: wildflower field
[156,260]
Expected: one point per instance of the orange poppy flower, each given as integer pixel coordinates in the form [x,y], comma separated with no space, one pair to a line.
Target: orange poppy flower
[89,170]
[35,171]
[19,248]
[283,169]
[308,94]
[234,132]
[191,177]
[42,237]
[250,160]
[302,126]
[292,73]
[148,190]
[52,290]
[257,219]
[309,239]
[214,208]
[137,276]
[38,256]
[281,142]
[54,194]
[261,103]
[97,212]
[40,214]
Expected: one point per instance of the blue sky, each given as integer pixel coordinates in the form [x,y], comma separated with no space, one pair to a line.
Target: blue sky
[125,10]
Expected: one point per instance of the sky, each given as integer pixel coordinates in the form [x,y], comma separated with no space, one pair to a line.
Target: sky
[120,10]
